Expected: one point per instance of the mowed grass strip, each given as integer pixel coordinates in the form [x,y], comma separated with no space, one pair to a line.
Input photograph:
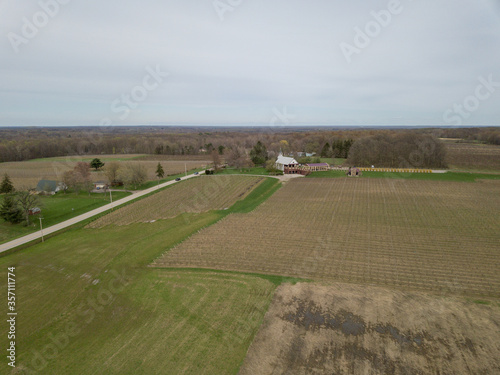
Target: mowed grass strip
[199,194]
[127,318]
[427,235]
[448,176]
[56,209]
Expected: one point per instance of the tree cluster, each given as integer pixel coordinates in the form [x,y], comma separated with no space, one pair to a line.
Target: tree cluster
[400,150]
[16,206]
[338,149]
[132,174]
[79,178]
[258,154]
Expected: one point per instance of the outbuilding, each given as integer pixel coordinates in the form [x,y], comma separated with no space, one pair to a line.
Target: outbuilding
[315,167]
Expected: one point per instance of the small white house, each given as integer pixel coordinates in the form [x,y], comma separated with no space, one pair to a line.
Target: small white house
[285,162]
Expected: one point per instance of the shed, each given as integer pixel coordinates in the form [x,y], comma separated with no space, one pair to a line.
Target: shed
[314,167]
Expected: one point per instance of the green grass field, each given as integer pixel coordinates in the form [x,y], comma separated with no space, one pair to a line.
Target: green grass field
[55,209]
[91,305]
[448,176]
[333,161]
[252,170]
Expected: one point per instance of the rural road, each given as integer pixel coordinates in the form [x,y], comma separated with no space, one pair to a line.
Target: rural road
[30,237]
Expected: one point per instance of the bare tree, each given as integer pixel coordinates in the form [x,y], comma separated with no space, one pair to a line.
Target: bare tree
[69,180]
[238,158]
[111,170]
[216,160]
[133,174]
[27,201]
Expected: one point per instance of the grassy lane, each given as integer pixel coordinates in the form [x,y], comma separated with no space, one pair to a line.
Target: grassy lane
[448,176]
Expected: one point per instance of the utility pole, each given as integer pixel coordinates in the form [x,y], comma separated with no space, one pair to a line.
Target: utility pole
[185,169]
[41,229]
[111,199]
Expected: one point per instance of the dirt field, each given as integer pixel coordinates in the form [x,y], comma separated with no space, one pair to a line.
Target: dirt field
[349,329]
[200,194]
[435,236]
[26,174]
[473,156]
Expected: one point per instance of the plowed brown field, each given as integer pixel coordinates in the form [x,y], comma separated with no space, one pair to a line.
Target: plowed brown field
[348,329]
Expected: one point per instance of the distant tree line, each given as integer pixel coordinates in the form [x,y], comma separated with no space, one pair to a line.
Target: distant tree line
[401,150]
[18,144]
[487,135]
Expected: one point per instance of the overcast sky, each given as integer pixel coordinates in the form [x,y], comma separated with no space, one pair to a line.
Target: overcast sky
[262,62]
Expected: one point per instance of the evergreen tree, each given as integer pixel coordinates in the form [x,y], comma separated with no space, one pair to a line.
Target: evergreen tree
[326,151]
[10,211]
[96,164]
[159,172]
[6,187]
[258,154]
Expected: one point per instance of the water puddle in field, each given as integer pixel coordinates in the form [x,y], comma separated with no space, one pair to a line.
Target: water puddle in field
[312,318]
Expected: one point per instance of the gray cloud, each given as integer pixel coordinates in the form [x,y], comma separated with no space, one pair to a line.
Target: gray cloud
[264,55]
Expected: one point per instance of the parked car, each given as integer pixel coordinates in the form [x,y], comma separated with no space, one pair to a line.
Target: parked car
[196,173]
[178,179]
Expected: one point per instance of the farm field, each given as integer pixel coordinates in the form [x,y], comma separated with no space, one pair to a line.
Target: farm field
[434,236]
[351,329]
[199,194]
[92,290]
[473,156]
[56,209]
[26,174]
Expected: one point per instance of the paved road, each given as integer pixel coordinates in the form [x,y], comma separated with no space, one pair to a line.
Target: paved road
[30,237]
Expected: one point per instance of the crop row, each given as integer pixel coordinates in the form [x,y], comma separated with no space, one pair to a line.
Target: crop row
[200,194]
[440,236]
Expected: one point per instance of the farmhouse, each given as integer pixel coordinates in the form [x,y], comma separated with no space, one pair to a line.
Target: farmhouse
[286,164]
[50,187]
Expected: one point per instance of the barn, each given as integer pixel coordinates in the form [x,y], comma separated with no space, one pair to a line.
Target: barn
[286,164]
